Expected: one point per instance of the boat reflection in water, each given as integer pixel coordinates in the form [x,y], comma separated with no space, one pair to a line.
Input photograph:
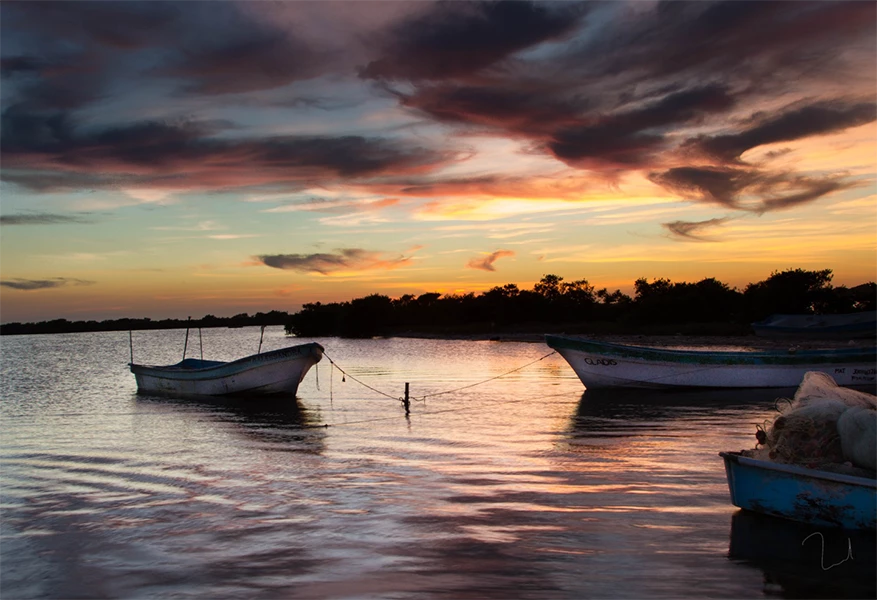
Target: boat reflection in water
[805,561]
[618,406]
[278,423]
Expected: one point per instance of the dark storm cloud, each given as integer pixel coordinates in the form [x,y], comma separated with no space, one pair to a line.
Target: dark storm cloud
[691,230]
[456,39]
[75,51]
[42,284]
[61,60]
[210,47]
[617,99]
[12,65]
[629,138]
[746,189]
[522,109]
[763,42]
[189,155]
[573,133]
[54,181]
[257,60]
[118,25]
[346,259]
[810,190]
[622,92]
[806,121]
[719,185]
[22,130]
[42,219]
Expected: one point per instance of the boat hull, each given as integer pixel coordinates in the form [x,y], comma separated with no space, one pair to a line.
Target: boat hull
[828,327]
[801,494]
[600,364]
[276,372]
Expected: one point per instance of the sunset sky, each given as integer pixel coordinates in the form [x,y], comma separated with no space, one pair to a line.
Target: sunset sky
[167,159]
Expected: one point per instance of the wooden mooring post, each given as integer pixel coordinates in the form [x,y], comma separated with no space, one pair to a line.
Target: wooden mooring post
[405,400]
[186,343]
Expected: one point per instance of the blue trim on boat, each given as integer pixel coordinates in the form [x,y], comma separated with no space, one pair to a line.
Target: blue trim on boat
[189,369]
[196,363]
[784,357]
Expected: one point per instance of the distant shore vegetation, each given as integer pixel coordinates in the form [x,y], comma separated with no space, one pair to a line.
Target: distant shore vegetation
[657,307]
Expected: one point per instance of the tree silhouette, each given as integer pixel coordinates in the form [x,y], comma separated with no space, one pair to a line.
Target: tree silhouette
[552,304]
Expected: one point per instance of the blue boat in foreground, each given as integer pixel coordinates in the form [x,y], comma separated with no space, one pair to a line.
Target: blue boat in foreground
[801,494]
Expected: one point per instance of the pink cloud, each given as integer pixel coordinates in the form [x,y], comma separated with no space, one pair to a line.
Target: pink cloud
[486,263]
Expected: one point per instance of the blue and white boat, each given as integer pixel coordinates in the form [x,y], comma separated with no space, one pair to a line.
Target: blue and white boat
[801,494]
[276,372]
[601,364]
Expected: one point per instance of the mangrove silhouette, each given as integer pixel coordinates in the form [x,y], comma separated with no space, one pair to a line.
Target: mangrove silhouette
[657,307]
[273,317]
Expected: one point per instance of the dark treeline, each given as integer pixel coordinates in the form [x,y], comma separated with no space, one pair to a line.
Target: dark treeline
[64,326]
[660,306]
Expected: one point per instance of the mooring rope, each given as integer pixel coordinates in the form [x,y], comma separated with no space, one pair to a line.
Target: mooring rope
[425,396]
[362,383]
[434,412]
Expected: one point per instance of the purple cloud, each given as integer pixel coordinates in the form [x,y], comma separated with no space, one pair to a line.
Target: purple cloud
[42,284]
[346,259]
[457,39]
[691,230]
[747,189]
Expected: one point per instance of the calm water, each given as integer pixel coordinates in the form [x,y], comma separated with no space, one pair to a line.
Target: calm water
[523,487]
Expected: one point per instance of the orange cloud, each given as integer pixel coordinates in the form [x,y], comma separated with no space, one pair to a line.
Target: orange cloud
[486,263]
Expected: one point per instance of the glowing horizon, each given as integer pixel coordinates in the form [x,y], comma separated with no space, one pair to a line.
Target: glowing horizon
[190,159]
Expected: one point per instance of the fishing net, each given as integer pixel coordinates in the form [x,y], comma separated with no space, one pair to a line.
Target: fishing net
[807,435]
[817,386]
[857,428]
[823,425]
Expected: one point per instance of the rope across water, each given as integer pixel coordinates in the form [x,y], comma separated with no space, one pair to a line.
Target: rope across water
[425,396]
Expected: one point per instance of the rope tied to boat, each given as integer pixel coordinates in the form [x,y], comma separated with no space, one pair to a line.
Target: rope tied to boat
[362,383]
[423,398]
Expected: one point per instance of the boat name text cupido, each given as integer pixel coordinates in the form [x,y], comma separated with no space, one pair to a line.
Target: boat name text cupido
[606,362]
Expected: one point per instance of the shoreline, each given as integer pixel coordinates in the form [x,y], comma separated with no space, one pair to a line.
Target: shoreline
[751,342]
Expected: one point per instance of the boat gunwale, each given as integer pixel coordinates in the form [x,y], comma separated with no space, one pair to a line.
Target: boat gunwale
[825,356]
[234,365]
[842,478]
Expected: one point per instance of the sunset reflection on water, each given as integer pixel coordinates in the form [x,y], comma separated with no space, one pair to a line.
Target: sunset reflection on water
[524,486]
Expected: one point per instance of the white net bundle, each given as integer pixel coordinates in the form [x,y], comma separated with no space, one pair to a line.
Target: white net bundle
[825,426]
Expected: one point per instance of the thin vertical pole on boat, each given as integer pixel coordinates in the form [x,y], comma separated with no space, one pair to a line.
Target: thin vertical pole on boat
[131,344]
[186,344]
[201,343]
[261,335]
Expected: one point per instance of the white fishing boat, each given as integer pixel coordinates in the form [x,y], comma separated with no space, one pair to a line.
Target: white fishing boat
[275,372]
[601,364]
